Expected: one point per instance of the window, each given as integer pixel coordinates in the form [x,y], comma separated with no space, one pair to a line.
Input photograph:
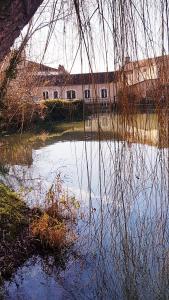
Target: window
[55,95]
[87,94]
[45,95]
[103,93]
[71,94]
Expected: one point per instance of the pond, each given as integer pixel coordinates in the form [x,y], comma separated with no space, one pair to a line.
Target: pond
[117,167]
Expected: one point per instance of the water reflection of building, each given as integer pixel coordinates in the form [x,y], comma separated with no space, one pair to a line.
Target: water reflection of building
[142,128]
[151,129]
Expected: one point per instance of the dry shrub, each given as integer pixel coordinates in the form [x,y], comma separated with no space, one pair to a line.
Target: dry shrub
[60,202]
[49,230]
[20,107]
[55,226]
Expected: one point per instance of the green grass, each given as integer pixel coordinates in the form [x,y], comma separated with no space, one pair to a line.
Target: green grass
[13,213]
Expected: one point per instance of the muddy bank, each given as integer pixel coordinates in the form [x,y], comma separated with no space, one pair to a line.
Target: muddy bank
[25,232]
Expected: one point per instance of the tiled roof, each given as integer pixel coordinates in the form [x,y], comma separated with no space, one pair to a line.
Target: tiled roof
[146,62]
[77,79]
[36,66]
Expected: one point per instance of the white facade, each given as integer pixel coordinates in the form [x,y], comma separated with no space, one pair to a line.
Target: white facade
[136,72]
[106,92]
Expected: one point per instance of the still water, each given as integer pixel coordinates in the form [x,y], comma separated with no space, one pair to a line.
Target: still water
[117,167]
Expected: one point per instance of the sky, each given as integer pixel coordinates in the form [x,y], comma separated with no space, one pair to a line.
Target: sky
[111,31]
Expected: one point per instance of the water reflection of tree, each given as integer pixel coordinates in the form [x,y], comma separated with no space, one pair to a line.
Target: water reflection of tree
[17,149]
[149,129]
[16,154]
[130,230]
[125,242]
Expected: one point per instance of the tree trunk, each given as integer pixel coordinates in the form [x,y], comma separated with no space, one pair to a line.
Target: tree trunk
[14,15]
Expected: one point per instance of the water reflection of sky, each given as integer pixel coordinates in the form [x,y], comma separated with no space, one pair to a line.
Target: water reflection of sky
[100,169]
[123,190]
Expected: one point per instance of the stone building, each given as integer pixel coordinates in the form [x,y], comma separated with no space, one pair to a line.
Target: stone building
[101,87]
[137,77]
[142,77]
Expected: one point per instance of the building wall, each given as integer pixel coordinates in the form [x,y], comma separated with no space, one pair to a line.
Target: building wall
[140,89]
[95,91]
[139,74]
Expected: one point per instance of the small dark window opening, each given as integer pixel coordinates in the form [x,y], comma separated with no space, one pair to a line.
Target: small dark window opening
[87,94]
[55,94]
[45,95]
[103,93]
[71,94]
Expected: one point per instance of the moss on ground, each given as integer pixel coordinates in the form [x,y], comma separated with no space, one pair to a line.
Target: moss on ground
[13,214]
[14,224]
